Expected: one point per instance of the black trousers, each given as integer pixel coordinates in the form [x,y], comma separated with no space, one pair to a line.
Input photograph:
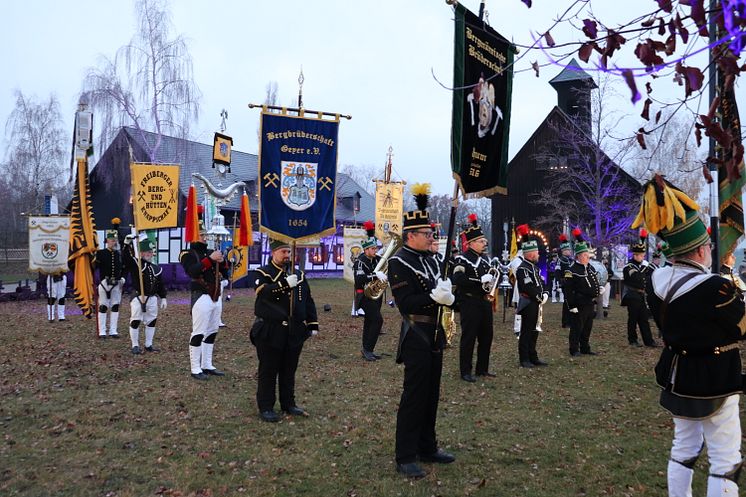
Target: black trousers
[276,365]
[637,315]
[476,326]
[373,322]
[565,315]
[529,334]
[418,407]
[581,324]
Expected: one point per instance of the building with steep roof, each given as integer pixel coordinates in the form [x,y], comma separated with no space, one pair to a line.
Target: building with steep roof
[110,187]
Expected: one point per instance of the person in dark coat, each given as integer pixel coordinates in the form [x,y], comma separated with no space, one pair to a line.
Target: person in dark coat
[701,317]
[532,296]
[280,329]
[581,291]
[637,274]
[365,273]
[110,266]
[419,291]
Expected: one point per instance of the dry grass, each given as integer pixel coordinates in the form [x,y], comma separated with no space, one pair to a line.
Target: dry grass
[84,417]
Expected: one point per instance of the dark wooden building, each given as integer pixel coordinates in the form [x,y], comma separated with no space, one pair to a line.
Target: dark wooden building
[531,173]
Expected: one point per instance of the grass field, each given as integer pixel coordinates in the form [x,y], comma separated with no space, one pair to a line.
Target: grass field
[81,416]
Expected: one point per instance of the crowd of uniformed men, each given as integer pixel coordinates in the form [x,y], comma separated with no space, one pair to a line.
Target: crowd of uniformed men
[700,318]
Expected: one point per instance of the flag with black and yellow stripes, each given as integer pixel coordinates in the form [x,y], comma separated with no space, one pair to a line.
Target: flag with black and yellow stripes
[83,241]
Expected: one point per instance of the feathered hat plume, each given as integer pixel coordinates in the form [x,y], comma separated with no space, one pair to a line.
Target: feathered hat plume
[577,234]
[661,204]
[370,228]
[522,231]
[421,193]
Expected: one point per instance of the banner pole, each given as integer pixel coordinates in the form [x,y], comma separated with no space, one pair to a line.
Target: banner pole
[449,243]
[292,290]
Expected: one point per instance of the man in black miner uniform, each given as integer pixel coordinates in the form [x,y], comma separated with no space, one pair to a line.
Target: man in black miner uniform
[472,277]
[111,279]
[532,297]
[364,271]
[563,264]
[581,290]
[278,337]
[636,279]
[207,270]
[415,281]
[701,316]
[144,304]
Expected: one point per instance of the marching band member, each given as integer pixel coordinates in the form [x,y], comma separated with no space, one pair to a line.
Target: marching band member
[364,271]
[471,274]
[207,269]
[418,290]
[581,291]
[532,297]
[606,294]
[726,270]
[515,296]
[144,304]
[701,316]
[278,336]
[636,276]
[111,279]
[56,290]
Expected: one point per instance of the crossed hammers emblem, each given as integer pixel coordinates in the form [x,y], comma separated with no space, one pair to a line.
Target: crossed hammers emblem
[141,195]
[325,182]
[271,180]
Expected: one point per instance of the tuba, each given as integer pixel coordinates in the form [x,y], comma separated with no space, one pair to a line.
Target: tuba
[374,290]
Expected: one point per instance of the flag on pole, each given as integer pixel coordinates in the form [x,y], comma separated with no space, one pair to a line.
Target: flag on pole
[83,241]
[191,229]
[513,246]
[731,176]
[483,82]
[245,238]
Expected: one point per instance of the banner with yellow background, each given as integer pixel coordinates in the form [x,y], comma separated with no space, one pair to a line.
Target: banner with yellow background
[389,208]
[155,195]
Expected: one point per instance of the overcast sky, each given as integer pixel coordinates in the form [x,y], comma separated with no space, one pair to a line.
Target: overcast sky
[373,59]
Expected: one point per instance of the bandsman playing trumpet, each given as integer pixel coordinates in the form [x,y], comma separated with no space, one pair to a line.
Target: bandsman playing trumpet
[365,272]
[473,278]
[531,297]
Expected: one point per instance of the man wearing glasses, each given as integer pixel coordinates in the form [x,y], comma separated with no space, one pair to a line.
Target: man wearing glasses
[419,291]
[472,277]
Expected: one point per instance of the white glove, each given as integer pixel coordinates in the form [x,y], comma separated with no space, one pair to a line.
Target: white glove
[574,310]
[292,280]
[314,333]
[445,285]
[164,304]
[645,263]
[121,281]
[601,290]
[382,276]
[486,278]
[223,283]
[544,298]
[442,296]
[128,239]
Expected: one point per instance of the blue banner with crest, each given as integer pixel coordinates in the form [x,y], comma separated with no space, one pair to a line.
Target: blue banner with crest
[297,176]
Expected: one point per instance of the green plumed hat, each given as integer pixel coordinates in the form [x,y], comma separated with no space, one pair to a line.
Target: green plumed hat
[370,230]
[278,244]
[146,245]
[581,245]
[668,212]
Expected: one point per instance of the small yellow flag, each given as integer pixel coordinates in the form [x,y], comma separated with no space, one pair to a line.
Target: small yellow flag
[513,246]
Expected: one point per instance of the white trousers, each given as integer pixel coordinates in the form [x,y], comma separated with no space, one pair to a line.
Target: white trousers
[721,434]
[116,294]
[205,315]
[151,312]
[606,295]
[56,289]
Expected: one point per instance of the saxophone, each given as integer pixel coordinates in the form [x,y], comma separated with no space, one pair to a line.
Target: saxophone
[374,289]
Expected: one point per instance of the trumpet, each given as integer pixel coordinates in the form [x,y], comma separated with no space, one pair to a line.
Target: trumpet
[374,290]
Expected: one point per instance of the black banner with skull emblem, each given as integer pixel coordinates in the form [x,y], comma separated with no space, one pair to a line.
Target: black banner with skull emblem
[482,79]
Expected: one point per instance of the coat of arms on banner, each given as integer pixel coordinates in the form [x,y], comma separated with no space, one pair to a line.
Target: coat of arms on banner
[298,180]
[49,250]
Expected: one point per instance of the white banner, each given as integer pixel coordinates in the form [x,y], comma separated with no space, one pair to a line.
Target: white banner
[49,243]
[389,209]
[353,239]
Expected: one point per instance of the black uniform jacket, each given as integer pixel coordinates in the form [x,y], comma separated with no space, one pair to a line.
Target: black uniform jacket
[272,308]
[469,280]
[412,276]
[205,273]
[530,285]
[110,265]
[151,275]
[580,285]
[363,271]
[701,327]
[636,277]
[563,264]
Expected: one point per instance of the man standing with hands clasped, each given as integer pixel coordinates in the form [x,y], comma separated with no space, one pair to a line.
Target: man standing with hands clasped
[581,291]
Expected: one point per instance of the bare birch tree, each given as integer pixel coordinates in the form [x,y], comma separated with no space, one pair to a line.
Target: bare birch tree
[148,84]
